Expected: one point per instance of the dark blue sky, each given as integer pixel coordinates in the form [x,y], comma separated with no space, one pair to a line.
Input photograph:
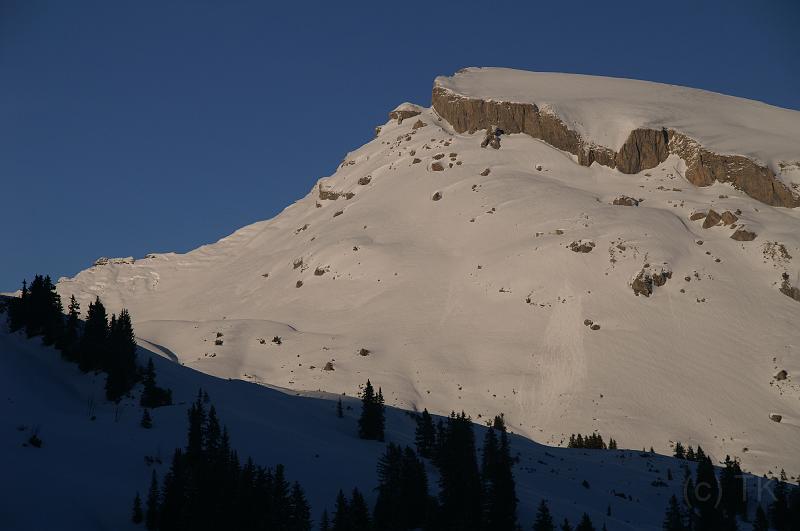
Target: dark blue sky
[148,126]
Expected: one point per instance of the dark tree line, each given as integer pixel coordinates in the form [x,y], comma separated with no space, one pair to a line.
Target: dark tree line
[95,345]
[544,521]
[717,502]
[208,488]
[591,442]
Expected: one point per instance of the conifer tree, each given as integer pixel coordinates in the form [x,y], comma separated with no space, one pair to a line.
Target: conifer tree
[121,362]
[152,395]
[95,337]
[402,491]
[499,491]
[673,519]
[544,521]
[760,522]
[151,514]
[585,524]
[299,511]
[359,512]
[137,516]
[779,508]
[371,423]
[341,513]
[425,435]
[324,522]
[459,481]
[708,517]
[147,421]
[565,526]
[69,341]
[680,452]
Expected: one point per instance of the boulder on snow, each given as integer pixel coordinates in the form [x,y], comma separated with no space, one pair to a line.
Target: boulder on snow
[789,290]
[492,137]
[418,124]
[743,235]
[581,246]
[437,166]
[781,375]
[485,172]
[650,277]
[436,196]
[624,200]
[363,181]
[729,218]
[712,218]
[774,417]
[697,215]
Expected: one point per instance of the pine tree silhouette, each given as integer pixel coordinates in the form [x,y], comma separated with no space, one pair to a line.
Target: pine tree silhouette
[544,520]
[137,516]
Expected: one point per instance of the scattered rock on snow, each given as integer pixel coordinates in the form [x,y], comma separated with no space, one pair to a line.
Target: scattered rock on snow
[364,352]
[363,181]
[437,166]
[781,375]
[712,219]
[492,137]
[624,200]
[729,218]
[328,367]
[649,277]
[418,124]
[743,235]
[595,326]
[436,196]
[485,172]
[587,322]
[697,215]
[774,417]
[581,246]
[789,290]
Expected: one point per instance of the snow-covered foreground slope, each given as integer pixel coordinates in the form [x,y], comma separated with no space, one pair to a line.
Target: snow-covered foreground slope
[87,471]
[474,301]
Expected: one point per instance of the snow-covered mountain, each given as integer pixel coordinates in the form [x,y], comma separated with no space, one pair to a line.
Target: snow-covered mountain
[621,264]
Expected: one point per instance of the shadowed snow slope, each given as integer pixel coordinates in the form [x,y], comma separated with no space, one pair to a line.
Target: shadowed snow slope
[475,301]
[87,471]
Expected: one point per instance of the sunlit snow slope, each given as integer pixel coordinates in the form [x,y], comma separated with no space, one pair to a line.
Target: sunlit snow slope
[475,301]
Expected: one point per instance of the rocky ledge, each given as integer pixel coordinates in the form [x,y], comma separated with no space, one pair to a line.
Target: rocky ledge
[644,148]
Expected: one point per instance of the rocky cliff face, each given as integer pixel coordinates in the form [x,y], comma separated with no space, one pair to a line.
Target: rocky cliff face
[643,149]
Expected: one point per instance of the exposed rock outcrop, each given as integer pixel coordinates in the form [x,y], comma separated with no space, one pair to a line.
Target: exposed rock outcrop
[643,149]
[403,111]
